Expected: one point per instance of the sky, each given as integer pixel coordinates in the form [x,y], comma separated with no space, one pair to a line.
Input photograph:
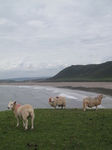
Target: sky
[39,38]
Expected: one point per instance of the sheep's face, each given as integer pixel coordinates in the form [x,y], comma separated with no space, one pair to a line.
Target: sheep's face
[101,96]
[51,100]
[10,105]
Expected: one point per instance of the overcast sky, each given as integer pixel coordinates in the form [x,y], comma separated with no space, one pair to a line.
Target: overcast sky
[41,37]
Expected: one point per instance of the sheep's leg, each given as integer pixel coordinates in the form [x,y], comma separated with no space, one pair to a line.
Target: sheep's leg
[17,122]
[31,123]
[96,107]
[85,106]
[23,123]
[26,124]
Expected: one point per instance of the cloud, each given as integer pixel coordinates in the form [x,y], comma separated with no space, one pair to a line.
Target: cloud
[42,37]
[3,21]
[36,23]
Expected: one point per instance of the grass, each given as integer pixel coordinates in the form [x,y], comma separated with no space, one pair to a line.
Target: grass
[68,129]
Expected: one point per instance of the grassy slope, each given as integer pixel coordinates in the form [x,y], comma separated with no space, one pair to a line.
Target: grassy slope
[58,129]
[92,72]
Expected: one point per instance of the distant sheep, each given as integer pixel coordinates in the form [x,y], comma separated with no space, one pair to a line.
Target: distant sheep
[91,102]
[57,101]
[22,111]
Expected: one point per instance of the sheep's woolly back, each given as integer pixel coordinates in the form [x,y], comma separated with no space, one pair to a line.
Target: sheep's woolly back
[57,101]
[91,102]
[23,110]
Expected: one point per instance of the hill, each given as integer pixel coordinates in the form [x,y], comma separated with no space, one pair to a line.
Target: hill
[23,79]
[91,72]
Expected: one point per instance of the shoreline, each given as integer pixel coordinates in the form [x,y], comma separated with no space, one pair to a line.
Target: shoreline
[97,87]
[106,85]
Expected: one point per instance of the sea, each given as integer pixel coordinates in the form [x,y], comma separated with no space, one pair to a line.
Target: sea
[38,96]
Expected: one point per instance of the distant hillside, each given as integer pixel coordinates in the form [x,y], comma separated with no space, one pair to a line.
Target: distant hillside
[24,79]
[91,72]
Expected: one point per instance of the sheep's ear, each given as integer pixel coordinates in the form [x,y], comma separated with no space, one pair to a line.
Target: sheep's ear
[15,102]
[49,99]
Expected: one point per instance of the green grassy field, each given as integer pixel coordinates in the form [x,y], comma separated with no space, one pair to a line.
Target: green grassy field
[68,129]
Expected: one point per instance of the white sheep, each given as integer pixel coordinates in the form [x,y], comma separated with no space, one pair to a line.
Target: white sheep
[22,111]
[57,101]
[91,102]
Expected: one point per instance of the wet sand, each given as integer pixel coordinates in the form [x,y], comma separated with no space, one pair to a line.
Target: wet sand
[98,87]
[107,85]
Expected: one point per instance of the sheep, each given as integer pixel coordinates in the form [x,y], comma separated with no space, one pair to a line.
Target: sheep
[91,102]
[22,111]
[57,101]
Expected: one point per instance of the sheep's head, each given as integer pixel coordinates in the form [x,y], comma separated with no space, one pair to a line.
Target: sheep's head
[11,105]
[51,99]
[101,96]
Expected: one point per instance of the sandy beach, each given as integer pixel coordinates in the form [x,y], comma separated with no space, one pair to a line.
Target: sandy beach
[106,85]
[98,87]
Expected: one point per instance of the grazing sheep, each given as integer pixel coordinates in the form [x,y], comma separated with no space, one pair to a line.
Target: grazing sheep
[91,102]
[22,111]
[57,101]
